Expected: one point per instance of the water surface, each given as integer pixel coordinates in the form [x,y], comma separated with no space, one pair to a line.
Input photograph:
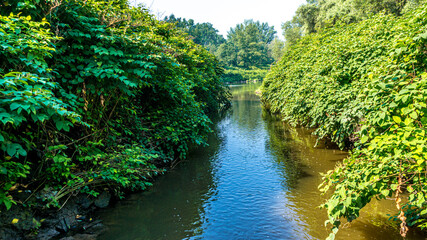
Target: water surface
[257,180]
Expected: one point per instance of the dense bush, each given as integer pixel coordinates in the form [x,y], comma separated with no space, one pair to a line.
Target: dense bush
[235,75]
[363,84]
[97,94]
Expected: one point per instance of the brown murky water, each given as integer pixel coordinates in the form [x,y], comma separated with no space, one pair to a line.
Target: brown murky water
[257,180]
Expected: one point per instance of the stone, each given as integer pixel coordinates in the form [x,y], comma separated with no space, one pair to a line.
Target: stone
[85,202]
[103,200]
[7,233]
[47,234]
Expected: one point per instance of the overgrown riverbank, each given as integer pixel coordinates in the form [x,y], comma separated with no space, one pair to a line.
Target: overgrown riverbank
[363,84]
[95,97]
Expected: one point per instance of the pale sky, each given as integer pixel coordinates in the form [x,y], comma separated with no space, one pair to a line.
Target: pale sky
[224,14]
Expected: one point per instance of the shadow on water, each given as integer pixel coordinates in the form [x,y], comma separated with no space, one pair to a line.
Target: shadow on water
[257,180]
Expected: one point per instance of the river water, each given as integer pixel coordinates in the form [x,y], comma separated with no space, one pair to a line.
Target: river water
[257,180]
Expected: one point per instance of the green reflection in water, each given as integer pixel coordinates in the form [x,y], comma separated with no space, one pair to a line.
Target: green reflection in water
[257,180]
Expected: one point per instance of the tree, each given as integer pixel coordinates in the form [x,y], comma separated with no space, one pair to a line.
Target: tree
[201,33]
[276,49]
[292,31]
[317,14]
[247,45]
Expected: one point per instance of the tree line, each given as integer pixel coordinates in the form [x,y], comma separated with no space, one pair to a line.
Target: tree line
[319,14]
[249,50]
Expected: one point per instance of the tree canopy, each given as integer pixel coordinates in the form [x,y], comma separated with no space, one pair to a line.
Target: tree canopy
[201,33]
[317,14]
[247,45]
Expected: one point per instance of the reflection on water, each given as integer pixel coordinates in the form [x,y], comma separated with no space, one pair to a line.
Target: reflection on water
[257,180]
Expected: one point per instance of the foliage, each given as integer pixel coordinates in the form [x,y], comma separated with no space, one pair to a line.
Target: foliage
[318,14]
[237,75]
[247,45]
[201,33]
[28,102]
[363,83]
[276,49]
[97,94]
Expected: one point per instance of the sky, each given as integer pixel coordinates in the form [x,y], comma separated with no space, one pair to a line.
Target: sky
[224,14]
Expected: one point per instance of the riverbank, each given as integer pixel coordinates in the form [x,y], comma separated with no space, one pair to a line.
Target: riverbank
[257,179]
[95,97]
[367,92]
[74,220]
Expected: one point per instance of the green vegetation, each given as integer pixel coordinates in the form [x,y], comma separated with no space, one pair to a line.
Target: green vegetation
[248,51]
[247,45]
[363,84]
[97,94]
[236,75]
[318,14]
[201,33]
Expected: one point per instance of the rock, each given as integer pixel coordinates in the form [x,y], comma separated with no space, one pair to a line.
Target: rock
[21,219]
[103,200]
[47,234]
[84,201]
[63,224]
[81,237]
[67,238]
[71,222]
[7,233]
[66,217]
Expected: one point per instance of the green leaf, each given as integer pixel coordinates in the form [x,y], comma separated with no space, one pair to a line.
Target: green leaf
[7,203]
[331,237]
[385,192]
[364,139]
[408,121]
[15,149]
[397,119]
[14,106]
[59,125]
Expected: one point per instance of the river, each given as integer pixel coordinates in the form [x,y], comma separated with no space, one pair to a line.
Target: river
[257,180]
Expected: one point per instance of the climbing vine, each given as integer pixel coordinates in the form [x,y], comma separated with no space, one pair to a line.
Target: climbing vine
[363,85]
[97,95]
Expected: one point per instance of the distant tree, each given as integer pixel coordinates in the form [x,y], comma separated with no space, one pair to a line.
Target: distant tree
[227,54]
[317,14]
[292,31]
[201,33]
[276,49]
[247,45]
[306,16]
[348,11]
